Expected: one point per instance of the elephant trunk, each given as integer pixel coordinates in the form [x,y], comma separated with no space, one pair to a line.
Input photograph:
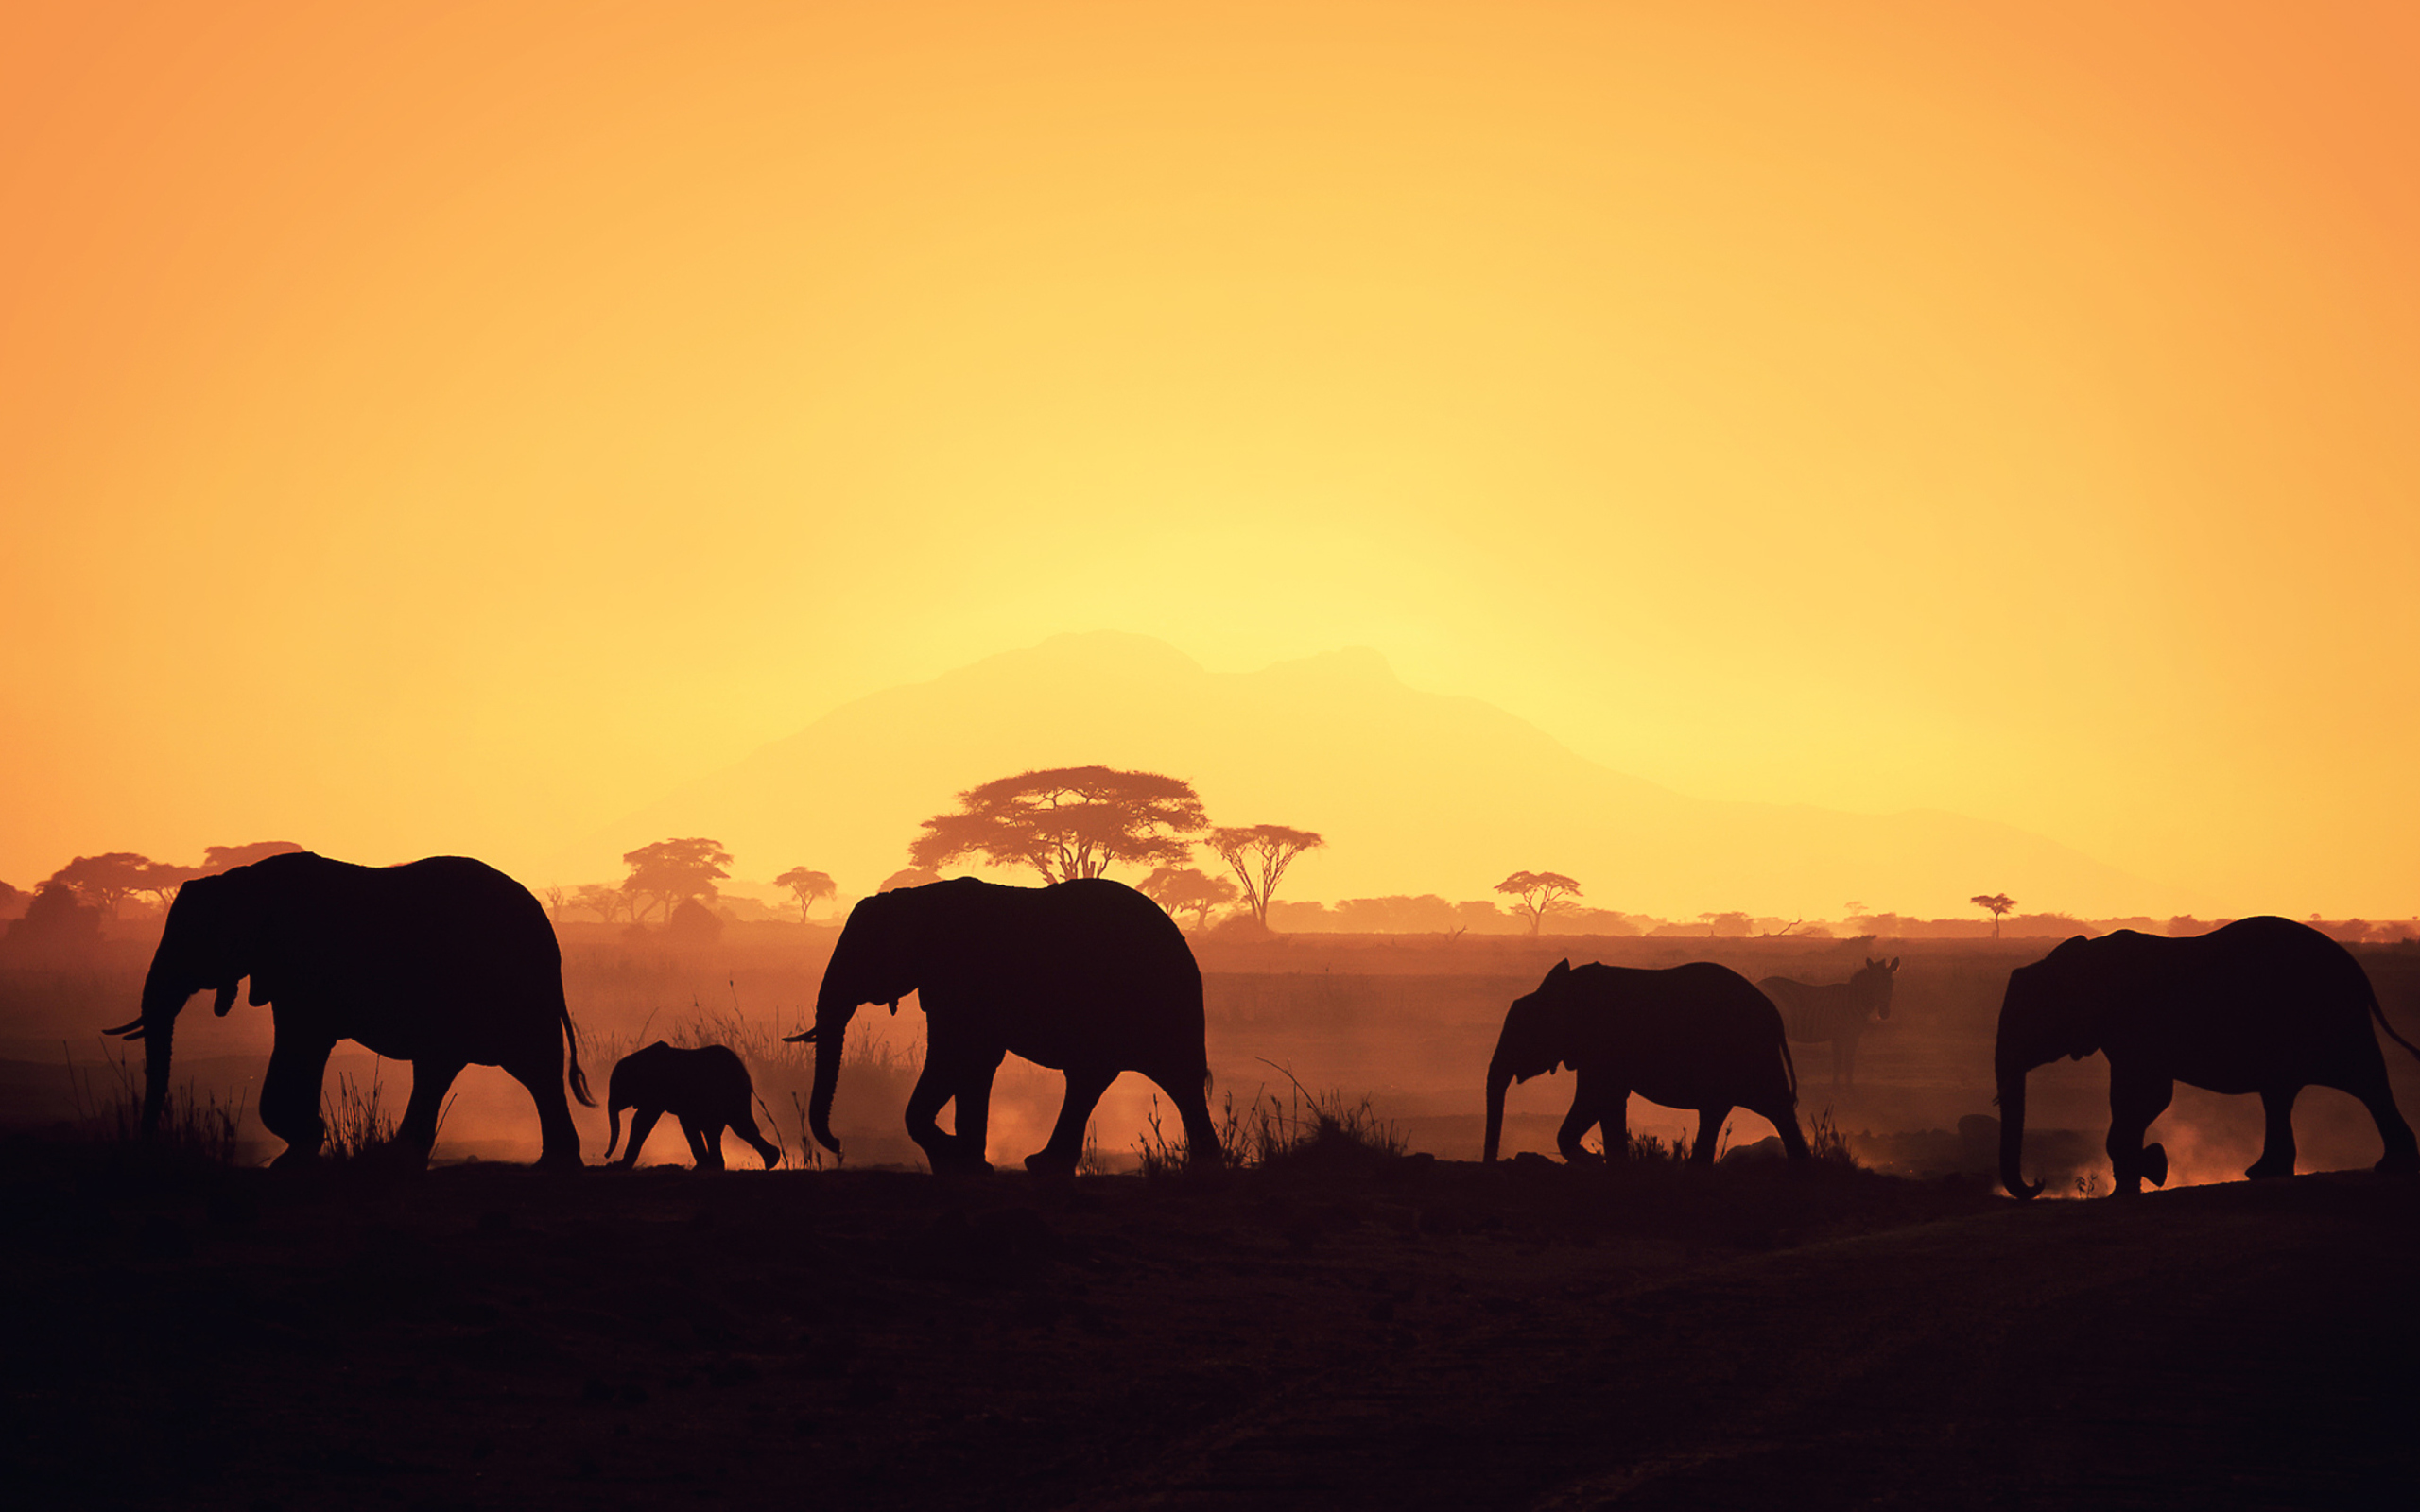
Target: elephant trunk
[613,1126]
[1499,1076]
[164,998]
[830,1033]
[2011,1080]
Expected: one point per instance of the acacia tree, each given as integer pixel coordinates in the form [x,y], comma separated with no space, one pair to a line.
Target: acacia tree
[1260,854]
[1998,902]
[606,902]
[671,873]
[105,880]
[162,881]
[1065,822]
[1540,893]
[1188,890]
[809,885]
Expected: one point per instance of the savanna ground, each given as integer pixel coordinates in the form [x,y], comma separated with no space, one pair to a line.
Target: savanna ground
[1340,1328]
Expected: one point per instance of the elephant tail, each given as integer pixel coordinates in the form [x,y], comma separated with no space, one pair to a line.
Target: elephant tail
[1790,1068]
[571,1047]
[2380,1013]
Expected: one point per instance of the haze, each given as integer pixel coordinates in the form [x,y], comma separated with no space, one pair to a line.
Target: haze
[453,429]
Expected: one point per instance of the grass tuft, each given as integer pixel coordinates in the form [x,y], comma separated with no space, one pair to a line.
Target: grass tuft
[193,1126]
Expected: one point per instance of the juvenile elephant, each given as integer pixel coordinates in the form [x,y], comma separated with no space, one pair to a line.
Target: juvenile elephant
[1089,977]
[1699,1036]
[445,963]
[706,1088]
[2263,1005]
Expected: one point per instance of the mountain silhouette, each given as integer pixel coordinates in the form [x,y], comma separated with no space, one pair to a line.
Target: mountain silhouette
[1415,792]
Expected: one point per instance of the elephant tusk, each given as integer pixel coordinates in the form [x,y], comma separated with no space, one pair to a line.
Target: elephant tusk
[132,1030]
[807,1038]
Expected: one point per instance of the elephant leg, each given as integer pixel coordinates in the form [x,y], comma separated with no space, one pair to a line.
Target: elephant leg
[944,1077]
[642,1125]
[1709,1130]
[2135,1098]
[1588,1110]
[431,1080]
[1190,1093]
[1067,1146]
[973,1120]
[743,1123]
[290,1095]
[557,1135]
[2369,1084]
[2277,1149]
[705,1143]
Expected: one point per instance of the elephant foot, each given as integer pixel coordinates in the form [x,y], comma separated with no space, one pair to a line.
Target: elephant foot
[2399,1162]
[2155,1164]
[2265,1169]
[295,1159]
[1043,1162]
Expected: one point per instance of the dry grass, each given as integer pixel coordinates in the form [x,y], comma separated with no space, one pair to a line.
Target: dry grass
[1303,1131]
[194,1125]
[360,1126]
[1826,1144]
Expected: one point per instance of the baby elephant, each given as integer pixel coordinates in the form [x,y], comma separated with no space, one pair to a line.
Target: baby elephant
[705,1089]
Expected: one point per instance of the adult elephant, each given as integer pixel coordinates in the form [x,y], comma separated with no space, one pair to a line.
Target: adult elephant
[708,1089]
[1699,1036]
[2262,1005]
[444,963]
[1089,977]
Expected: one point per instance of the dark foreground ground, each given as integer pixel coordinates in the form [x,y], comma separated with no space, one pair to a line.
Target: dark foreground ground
[1386,1334]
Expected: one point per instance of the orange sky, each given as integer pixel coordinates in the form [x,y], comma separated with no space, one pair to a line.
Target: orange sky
[430,428]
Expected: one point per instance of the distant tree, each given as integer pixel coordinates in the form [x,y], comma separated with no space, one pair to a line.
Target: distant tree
[1188,890]
[162,881]
[910,877]
[56,918]
[672,873]
[1541,893]
[607,904]
[1259,853]
[1998,903]
[221,858]
[1066,823]
[13,901]
[1729,926]
[104,881]
[557,900]
[809,885]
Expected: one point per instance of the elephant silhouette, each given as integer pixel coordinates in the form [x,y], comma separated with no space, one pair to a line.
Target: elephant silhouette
[1089,977]
[706,1088]
[1699,1036]
[444,963]
[2263,1005]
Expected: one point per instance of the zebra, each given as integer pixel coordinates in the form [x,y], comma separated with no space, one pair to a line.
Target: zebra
[1834,1010]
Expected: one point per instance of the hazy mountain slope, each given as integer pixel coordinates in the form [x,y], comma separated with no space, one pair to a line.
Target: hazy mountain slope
[1415,792]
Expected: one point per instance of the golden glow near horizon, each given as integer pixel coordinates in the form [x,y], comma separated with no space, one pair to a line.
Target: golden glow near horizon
[434,429]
